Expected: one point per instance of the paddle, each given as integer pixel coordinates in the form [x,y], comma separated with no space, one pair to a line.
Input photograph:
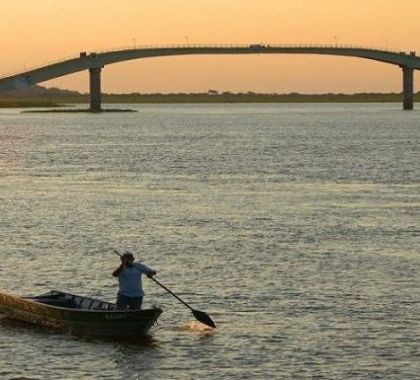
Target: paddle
[201,316]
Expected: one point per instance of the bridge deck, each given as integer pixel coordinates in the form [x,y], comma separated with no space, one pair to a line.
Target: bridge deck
[97,60]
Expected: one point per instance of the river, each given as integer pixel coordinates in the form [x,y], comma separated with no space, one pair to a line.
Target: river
[294,226]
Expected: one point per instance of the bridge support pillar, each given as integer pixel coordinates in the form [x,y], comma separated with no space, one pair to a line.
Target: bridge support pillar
[95,89]
[408,88]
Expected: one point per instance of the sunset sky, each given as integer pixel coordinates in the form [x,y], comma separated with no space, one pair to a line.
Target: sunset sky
[36,32]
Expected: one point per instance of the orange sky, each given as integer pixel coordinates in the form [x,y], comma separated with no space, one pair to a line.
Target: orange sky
[36,32]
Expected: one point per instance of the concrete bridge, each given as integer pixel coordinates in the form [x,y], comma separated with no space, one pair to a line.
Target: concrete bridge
[94,62]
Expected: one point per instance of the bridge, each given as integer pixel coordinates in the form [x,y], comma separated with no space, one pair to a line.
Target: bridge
[95,62]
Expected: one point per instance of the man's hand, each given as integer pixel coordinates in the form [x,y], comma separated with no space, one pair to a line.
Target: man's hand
[151,273]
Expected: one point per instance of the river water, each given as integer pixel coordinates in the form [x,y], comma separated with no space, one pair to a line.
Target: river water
[295,227]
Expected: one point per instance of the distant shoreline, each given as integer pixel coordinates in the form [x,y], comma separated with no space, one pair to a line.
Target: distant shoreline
[50,99]
[27,103]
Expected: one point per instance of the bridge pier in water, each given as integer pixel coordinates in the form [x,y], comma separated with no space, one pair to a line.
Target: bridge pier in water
[95,89]
[408,88]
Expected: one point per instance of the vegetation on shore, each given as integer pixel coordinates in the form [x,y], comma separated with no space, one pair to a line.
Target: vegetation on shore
[251,97]
[37,96]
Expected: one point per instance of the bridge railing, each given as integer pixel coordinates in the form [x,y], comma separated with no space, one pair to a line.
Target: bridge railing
[245,46]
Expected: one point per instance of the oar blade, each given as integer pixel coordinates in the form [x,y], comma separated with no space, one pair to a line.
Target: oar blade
[202,317]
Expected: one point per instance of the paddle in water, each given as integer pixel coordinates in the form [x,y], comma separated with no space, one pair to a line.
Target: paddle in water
[201,316]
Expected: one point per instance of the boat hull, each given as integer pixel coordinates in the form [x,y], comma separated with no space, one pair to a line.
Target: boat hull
[101,323]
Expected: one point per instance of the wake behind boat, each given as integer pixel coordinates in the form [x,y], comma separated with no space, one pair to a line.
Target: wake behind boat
[70,313]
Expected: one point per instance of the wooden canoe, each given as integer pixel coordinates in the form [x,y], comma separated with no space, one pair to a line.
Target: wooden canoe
[70,313]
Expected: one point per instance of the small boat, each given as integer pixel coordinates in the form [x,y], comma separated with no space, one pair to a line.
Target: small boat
[70,313]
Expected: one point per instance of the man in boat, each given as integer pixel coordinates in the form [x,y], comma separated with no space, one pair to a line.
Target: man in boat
[130,293]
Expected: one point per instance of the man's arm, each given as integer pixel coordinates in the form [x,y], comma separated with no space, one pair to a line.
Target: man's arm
[118,271]
[149,272]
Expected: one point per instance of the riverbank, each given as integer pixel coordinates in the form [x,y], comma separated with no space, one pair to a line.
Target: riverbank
[49,99]
[27,103]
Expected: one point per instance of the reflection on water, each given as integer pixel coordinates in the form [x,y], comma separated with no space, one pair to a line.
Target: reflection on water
[197,326]
[295,227]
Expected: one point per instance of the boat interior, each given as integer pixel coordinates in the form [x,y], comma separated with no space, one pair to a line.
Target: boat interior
[72,301]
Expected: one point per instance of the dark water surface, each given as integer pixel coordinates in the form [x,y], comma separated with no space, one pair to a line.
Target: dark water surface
[295,227]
